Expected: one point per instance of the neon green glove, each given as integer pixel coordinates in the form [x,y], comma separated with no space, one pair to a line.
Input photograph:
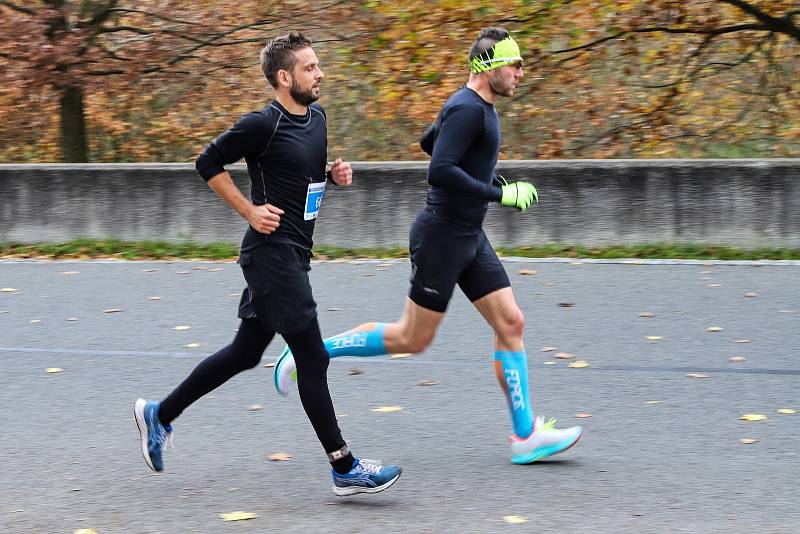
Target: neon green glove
[519,195]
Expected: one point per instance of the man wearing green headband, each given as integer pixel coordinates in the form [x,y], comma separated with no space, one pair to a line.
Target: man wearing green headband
[449,247]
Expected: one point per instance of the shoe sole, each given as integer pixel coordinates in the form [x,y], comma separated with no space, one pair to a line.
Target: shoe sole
[544,453]
[276,374]
[354,490]
[138,416]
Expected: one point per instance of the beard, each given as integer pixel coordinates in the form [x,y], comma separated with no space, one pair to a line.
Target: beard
[499,88]
[304,98]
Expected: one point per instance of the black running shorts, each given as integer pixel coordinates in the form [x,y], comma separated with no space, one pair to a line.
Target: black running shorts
[278,290]
[446,252]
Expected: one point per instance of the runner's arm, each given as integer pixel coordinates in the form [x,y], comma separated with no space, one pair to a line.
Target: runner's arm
[457,130]
[246,138]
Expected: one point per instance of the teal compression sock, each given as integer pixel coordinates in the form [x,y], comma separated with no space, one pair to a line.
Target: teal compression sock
[512,373]
[367,343]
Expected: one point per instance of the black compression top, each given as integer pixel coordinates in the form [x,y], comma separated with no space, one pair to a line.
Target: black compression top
[464,157]
[285,154]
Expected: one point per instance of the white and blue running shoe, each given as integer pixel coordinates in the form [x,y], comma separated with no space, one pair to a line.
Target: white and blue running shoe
[155,436]
[546,440]
[366,476]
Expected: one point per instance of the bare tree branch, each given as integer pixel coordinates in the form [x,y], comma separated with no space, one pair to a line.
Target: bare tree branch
[15,7]
[666,29]
[780,25]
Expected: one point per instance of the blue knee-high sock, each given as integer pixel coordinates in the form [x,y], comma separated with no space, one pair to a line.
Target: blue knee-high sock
[367,343]
[512,373]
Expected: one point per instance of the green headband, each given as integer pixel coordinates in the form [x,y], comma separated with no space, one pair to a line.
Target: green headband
[505,52]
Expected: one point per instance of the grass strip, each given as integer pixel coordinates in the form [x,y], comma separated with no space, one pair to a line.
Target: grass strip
[164,250]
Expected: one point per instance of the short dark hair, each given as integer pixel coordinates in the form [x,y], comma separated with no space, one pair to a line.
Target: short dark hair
[486,40]
[279,55]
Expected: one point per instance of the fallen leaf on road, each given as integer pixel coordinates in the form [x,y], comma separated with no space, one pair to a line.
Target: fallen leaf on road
[400,355]
[270,364]
[566,304]
[696,375]
[564,356]
[647,314]
[714,285]
[35,321]
[237,516]
[748,441]
[713,329]
[112,310]
[70,273]
[184,272]
[654,402]
[155,297]
[280,457]
[742,341]
[751,294]
[84,531]
[53,370]
[583,415]
[527,272]
[653,338]
[8,290]
[515,519]
[737,359]
[753,417]
[428,383]
[387,409]
[786,411]
[254,407]
[550,363]
[580,364]
[354,372]
[191,345]
[72,319]
[548,349]
[182,327]
[151,270]
[334,309]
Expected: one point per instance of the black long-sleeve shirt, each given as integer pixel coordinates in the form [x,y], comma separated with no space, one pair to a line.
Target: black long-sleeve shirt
[285,154]
[464,156]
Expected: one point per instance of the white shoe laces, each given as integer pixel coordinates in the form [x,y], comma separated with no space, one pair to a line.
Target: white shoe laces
[169,443]
[370,466]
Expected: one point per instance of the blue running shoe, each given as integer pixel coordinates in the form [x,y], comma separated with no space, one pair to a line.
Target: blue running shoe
[155,436]
[366,476]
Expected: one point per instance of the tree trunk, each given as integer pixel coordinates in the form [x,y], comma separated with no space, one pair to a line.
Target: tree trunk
[73,126]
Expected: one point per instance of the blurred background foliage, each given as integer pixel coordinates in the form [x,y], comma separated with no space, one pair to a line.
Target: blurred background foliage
[155,80]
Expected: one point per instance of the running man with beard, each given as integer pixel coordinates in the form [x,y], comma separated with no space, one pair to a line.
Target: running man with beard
[285,147]
[449,247]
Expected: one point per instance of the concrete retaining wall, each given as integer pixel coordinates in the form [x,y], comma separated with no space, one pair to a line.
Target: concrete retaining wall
[745,203]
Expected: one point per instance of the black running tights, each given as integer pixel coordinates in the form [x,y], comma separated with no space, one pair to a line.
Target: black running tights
[244,353]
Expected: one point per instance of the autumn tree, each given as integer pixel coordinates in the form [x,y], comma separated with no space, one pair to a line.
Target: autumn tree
[622,78]
[155,79]
[76,48]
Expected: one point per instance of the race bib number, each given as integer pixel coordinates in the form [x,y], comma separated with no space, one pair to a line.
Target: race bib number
[314,200]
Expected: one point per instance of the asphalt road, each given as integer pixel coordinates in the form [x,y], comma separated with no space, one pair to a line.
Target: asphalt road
[661,450]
